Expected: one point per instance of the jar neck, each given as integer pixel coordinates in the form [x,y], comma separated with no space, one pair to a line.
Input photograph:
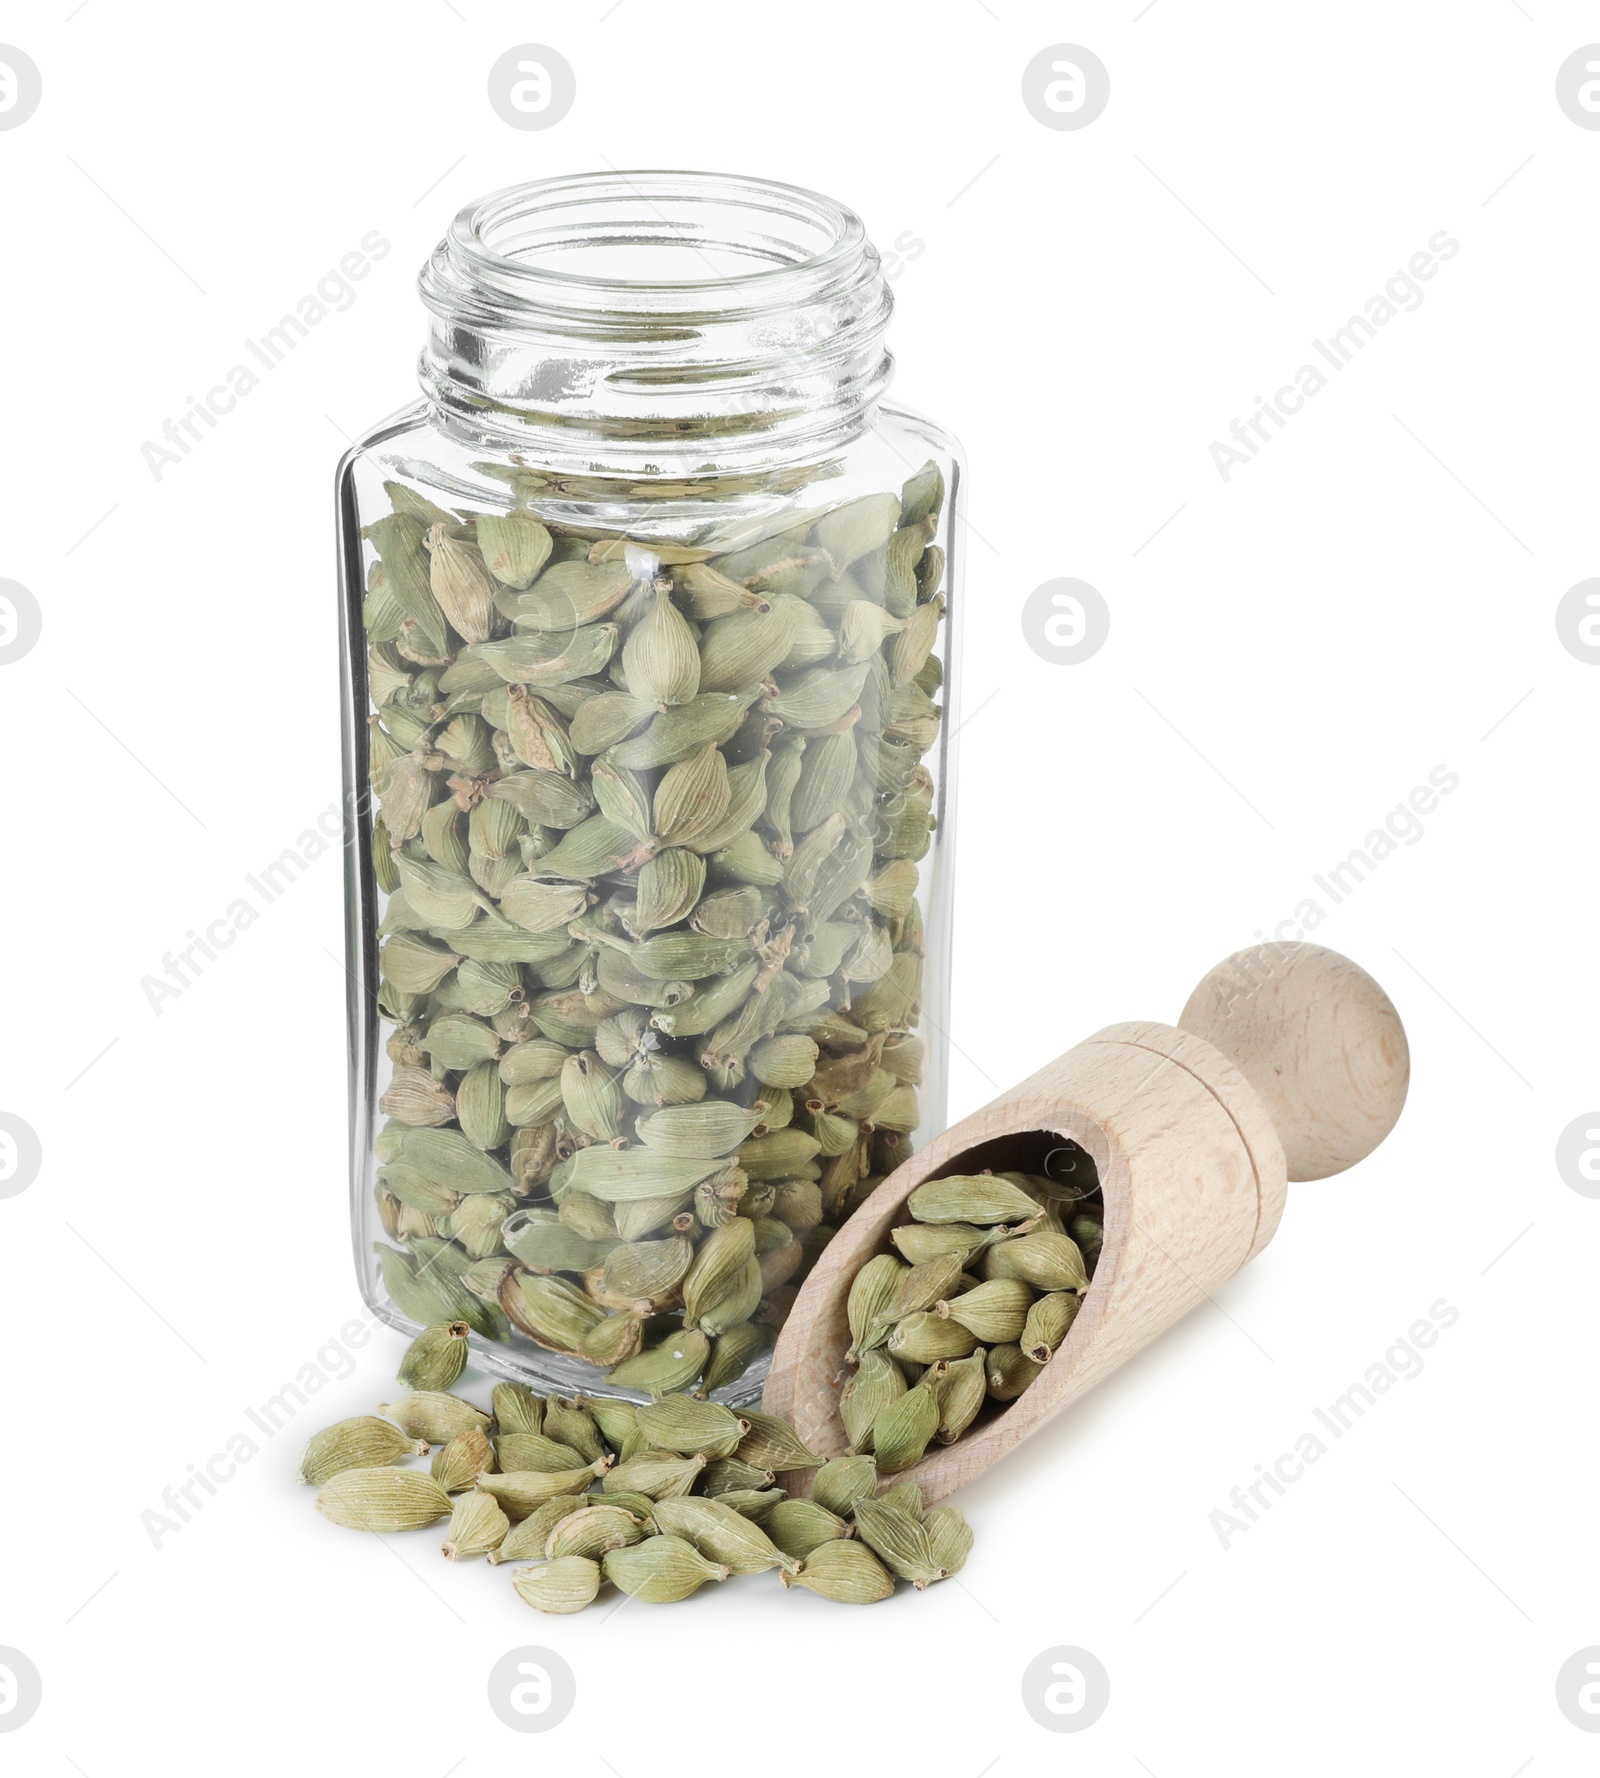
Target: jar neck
[656,324]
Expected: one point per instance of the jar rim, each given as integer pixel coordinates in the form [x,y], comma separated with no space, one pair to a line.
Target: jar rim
[477,241]
[533,336]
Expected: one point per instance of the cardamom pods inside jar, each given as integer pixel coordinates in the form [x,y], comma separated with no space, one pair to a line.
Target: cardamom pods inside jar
[648,611]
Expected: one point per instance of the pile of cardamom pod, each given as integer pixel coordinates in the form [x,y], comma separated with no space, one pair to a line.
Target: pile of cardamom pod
[651,817]
[990,1277]
[656,1499]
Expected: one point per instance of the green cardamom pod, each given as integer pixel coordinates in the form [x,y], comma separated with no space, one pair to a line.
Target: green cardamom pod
[679,1423]
[797,1527]
[434,1415]
[647,1271]
[709,1131]
[994,1311]
[436,1357]
[927,1337]
[774,1444]
[640,1505]
[458,1464]
[571,1423]
[961,1390]
[672,1365]
[732,1354]
[533,1450]
[661,657]
[477,1524]
[722,1535]
[514,545]
[899,1539]
[905,1497]
[924,1285]
[1046,1259]
[843,1481]
[787,1061]
[846,1573]
[753,1503]
[593,1531]
[517,1409]
[550,1311]
[877,1382]
[949,1538]
[1010,1371]
[526,1540]
[382,1499]
[662,1570]
[560,1587]
[900,1434]
[655,1473]
[522,1491]
[971,1197]
[364,1442]
[1048,1320]
[867,1305]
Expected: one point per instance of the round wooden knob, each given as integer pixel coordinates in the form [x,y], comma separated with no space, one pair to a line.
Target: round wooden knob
[1319,1041]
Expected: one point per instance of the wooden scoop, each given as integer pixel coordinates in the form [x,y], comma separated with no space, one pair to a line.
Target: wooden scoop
[1289,1062]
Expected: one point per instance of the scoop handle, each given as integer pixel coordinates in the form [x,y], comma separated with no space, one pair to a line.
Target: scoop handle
[1320,1042]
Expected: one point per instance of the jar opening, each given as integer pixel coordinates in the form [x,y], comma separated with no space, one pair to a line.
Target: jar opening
[658,323]
[632,236]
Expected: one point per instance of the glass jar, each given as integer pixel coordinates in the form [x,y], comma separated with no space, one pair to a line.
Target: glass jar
[647,609]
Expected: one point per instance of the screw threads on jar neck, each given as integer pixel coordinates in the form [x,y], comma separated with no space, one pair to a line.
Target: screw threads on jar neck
[656,323]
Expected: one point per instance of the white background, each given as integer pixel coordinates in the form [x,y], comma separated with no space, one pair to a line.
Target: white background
[1370,598]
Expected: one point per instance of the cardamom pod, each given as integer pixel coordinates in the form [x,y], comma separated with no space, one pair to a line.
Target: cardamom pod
[458,1464]
[899,1538]
[477,1524]
[797,1527]
[722,1535]
[560,1587]
[900,1434]
[658,1474]
[662,1570]
[434,1415]
[949,1538]
[522,1491]
[382,1499]
[1010,1371]
[364,1442]
[771,1443]
[1046,1259]
[592,1531]
[727,1475]
[678,1423]
[994,1311]
[672,1365]
[960,1390]
[927,1337]
[526,1540]
[973,1197]
[877,1382]
[1049,1317]
[842,1481]
[866,1307]
[533,1450]
[846,1573]
[436,1357]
